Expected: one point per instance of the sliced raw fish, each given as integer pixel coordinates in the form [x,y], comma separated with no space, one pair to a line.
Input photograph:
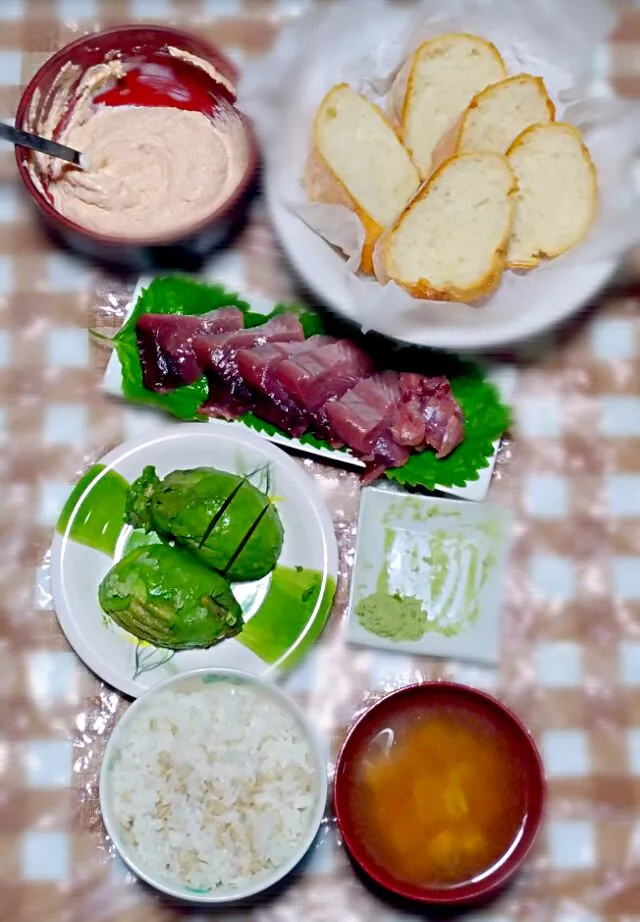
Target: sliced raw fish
[363,419]
[386,453]
[165,345]
[229,395]
[314,378]
[432,399]
[322,385]
[360,414]
[273,402]
[385,416]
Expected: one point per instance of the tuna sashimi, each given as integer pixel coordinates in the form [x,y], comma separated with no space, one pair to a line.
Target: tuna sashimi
[433,400]
[165,345]
[325,373]
[273,402]
[229,394]
[314,378]
[358,417]
[385,454]
[322,385]
[383,417]
[364,418]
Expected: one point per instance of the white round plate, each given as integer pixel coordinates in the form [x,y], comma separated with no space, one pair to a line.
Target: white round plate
[283,613]
[551,297]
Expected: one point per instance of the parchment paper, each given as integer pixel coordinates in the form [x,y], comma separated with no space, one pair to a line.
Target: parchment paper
[367,42]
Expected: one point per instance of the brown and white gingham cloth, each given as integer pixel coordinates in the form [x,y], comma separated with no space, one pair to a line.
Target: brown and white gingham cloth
[571,656]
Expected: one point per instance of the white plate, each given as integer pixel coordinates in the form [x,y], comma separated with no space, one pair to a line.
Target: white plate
[309,543]
[502,376]
[551,297]
[447,555]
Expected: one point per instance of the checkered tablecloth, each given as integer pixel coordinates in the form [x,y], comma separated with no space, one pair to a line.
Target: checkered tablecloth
[571,470]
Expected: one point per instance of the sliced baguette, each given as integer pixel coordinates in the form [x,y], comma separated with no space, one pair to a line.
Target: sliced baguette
[357,160]
[444,75]
[499,113]
[449,244]
[558,193]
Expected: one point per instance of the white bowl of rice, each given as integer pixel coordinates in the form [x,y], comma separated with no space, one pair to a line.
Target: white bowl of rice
[213,786]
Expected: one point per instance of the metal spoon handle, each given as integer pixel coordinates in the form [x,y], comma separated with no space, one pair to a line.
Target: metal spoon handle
[35,142]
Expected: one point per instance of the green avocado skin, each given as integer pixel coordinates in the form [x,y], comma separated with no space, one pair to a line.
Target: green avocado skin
[163,596]
[211,514]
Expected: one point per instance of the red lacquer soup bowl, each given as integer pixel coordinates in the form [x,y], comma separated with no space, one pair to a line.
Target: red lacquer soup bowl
[449,726]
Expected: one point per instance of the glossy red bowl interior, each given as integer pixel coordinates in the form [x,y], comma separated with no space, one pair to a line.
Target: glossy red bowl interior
[527,762]
[181,85]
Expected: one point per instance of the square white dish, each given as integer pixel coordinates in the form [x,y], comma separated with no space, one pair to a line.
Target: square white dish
[448,555]
[503,377]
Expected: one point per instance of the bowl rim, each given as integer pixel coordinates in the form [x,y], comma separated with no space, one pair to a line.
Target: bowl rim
[463,893]
[264,881]
[176,35]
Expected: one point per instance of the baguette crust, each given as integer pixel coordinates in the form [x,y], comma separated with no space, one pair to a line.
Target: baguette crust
[487,282]
[536,258]
[452,141]
[321,183]
[410,88]
[488,91]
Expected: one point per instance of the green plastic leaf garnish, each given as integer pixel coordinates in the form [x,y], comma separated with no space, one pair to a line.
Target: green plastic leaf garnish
[486,417]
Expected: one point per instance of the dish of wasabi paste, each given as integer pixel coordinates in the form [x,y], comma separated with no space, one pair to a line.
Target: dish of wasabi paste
[195,547]
[428,575]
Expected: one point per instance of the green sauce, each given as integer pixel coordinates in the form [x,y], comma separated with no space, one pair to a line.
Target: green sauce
[292,606]
[94,512]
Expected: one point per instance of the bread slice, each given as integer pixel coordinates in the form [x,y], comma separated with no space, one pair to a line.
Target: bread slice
[558,193]
[357,160]
[444,75]
[499,113]
[450,242]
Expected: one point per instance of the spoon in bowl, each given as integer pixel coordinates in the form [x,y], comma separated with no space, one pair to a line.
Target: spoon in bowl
[43,145]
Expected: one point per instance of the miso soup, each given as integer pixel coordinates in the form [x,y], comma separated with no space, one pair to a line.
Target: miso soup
[438,796]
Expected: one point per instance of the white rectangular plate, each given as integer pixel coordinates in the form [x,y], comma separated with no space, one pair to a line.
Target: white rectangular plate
[503,378]
[449,555]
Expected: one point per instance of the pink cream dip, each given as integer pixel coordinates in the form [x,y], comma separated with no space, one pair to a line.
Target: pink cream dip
[152,171]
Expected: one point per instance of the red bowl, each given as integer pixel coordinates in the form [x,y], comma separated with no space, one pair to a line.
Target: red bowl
[142,45]
[527,762]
